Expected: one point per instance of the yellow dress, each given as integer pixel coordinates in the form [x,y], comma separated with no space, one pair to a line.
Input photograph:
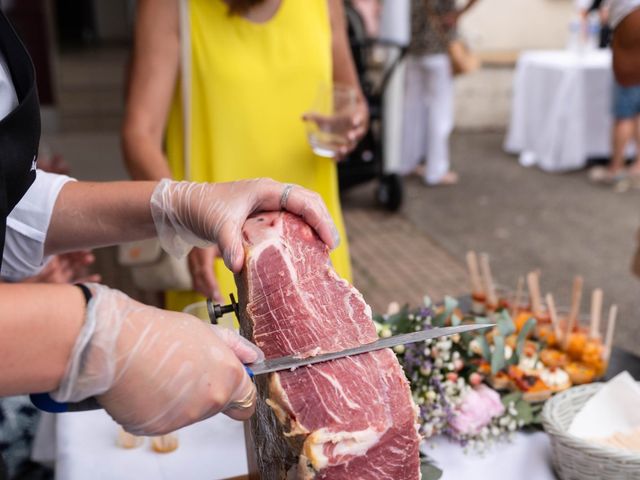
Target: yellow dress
[250,85]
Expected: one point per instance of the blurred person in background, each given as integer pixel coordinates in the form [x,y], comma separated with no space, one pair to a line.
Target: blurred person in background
[625,22]
[255,66]
[428,117]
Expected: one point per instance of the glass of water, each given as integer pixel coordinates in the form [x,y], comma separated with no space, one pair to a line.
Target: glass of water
[329,119]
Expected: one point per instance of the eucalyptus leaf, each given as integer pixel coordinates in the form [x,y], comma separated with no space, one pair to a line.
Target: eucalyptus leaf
[484,345]
[522,337]
[455,320]
[429,471]
[505,324]
[513,397]
[450,304]
[525,412]
[497,357]
[440,319]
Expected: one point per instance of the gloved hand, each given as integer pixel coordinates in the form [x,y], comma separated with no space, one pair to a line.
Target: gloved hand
[155,371]
[199,214]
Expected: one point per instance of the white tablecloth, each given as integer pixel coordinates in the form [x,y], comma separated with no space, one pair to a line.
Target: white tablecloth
[84,446]
[561,111]
[528,457]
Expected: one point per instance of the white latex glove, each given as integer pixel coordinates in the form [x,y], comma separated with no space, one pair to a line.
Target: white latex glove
[155,371]
[190,215]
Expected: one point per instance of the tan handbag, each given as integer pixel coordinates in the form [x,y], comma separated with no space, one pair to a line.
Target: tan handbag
[151,267]
[462,59]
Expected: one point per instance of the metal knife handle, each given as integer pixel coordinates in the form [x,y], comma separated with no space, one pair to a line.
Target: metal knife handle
[44,402]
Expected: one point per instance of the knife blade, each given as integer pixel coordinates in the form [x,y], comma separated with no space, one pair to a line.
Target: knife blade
[292,362]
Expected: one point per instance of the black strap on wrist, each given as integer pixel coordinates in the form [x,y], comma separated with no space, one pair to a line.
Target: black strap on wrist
[85,291]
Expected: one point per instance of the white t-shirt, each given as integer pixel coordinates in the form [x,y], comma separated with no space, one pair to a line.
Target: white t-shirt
[28,223]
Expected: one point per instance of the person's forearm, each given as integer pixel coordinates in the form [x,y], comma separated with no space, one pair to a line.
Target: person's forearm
[89,215]
[143,156]
[39,326]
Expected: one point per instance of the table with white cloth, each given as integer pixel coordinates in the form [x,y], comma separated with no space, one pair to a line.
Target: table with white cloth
[83,446]
[561,111]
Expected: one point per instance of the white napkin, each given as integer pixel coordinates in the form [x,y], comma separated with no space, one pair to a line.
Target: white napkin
[613,409]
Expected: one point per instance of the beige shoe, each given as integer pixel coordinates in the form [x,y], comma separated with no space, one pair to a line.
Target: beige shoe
[448,179]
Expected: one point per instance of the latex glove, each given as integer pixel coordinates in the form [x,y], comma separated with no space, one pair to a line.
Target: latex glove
[201,270]
[155,371]
[199,214]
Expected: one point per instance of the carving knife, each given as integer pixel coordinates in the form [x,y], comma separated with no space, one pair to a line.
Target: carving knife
[292,362]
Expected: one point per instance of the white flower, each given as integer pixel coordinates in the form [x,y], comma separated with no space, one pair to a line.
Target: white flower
[450,367]
[512,426]
[456,355]
[445,344]
[385,333]
[438,363]
[495,431]
[431,395]
[425,371]
[399,349]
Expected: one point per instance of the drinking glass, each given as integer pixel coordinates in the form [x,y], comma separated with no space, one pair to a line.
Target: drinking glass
[329,119]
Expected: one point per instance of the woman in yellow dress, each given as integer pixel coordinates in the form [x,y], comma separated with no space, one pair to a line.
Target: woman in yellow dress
[249,70]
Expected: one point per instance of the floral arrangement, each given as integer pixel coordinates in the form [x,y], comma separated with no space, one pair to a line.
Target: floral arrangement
[448,380]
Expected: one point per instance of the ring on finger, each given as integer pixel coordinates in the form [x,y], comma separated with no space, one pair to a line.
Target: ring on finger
[244,403]
[285,196]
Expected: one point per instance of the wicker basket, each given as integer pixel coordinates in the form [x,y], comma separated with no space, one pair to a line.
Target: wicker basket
[577,459]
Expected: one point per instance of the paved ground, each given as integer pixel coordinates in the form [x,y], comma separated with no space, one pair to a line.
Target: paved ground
[523,218]
[526,219]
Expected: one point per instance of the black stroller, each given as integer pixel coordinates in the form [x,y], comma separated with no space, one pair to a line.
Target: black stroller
[367,161]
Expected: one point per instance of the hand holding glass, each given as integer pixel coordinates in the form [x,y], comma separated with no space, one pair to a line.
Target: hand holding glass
[330,119]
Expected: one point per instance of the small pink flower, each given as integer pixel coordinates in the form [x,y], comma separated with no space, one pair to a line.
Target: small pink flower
[478,407]
[452,376]
[475,379]
[458,365]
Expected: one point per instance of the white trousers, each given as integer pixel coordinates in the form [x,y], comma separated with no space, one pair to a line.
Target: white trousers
[428,115]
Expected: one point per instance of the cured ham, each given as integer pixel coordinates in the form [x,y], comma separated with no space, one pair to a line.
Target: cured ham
[352,418]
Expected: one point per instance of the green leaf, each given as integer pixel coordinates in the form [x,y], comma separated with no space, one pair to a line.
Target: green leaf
[440,319]
[497,358]
[450,304]
[522,337]
[455,320]
[514,397]
[505,324]
[484,345]
[426,300]
[525,412]
[429,471]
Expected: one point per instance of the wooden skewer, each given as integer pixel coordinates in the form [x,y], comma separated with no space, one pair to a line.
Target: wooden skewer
[596,313]
[489,286]
[518,297]
[611,326]
[553,313]
[474,273]
[533,282]
[576,297]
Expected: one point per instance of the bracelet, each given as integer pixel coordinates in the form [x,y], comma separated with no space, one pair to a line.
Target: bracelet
[85,291]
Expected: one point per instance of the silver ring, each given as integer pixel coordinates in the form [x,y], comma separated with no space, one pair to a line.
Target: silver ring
[285,196]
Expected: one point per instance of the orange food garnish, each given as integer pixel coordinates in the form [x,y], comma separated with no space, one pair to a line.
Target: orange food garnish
[553,358]
[580,373]
[576,344]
